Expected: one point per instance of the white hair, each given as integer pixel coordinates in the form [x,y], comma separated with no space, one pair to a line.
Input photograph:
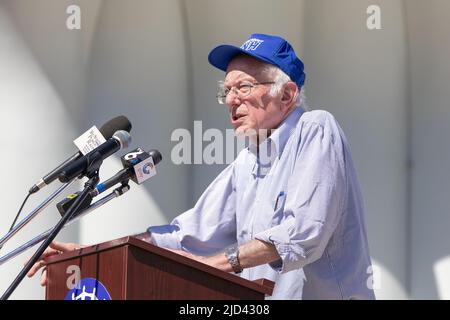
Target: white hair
[280,78]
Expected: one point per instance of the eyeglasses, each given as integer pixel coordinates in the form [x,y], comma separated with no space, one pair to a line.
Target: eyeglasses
[242,90]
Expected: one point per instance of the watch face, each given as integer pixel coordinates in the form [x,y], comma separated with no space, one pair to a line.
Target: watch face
[232,256]
[230,250]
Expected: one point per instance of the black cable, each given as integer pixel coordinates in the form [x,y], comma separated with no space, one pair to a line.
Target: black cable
[18,214]
[89,186]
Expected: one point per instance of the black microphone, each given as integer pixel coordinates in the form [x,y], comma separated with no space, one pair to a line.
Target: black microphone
[134,162]
[137,166]
[107,130]
[92,160]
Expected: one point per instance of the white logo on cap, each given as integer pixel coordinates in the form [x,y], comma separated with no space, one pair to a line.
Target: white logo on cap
[251,44]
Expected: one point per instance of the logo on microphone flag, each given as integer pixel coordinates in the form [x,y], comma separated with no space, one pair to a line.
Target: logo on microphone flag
[145,170]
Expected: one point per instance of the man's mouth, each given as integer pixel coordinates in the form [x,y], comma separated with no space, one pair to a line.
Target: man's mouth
[236,117]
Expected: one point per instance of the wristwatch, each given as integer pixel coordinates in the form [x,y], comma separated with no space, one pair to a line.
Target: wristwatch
[232,254]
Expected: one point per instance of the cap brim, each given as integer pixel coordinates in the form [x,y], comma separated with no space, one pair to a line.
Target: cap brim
[221,56]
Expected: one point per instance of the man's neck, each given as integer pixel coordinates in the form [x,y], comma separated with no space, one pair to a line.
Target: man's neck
[265,133]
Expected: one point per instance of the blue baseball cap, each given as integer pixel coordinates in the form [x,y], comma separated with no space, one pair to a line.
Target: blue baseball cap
[271,49]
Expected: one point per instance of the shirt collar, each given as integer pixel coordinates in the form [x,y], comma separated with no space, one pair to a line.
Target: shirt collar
[273,146]
[281,135]
[277,140]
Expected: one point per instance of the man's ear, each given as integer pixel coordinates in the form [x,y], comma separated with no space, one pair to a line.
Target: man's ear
[290,93]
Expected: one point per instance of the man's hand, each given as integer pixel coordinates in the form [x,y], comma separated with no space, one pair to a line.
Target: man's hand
[53,249]
[216,261]
[191,256]
[145,236]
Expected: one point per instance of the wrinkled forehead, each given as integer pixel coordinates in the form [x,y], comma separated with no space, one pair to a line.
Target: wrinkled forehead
[245,67]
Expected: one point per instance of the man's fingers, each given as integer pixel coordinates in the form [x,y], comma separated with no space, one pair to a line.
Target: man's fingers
[35,268]
[53,249]
[60,246]
[44,277]
[48,252]
[183,253]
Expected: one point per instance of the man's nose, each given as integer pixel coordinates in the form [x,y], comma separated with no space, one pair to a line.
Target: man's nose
[233,99]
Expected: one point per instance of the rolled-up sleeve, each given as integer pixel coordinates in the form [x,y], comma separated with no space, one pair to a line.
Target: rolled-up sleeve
[315,199]
[209,226]
[165,236]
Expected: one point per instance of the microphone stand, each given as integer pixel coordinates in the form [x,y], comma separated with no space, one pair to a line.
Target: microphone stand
[116,193]
[92,174]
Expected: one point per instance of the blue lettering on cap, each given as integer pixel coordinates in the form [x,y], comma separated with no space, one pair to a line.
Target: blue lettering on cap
[251,44]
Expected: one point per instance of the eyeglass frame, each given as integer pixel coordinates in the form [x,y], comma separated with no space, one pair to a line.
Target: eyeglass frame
[221,98]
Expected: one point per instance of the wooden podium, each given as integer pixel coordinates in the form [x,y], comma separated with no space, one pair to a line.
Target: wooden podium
[130,268]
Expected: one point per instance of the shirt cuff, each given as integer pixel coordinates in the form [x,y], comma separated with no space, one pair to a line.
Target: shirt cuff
[292,255]
[165,236]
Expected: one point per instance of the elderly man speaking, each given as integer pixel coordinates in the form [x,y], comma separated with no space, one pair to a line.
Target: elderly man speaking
[289,208]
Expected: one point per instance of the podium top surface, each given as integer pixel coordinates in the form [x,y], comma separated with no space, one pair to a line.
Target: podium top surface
[261,285]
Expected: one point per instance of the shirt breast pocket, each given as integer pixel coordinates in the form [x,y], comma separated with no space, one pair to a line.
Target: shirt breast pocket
[268,214]
[278,208]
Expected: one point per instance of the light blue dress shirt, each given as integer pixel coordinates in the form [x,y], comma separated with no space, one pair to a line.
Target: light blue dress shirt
[299,192]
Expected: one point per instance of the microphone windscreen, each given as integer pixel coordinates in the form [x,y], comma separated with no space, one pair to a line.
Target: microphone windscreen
[115,124]
[156,155]
[123,137]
